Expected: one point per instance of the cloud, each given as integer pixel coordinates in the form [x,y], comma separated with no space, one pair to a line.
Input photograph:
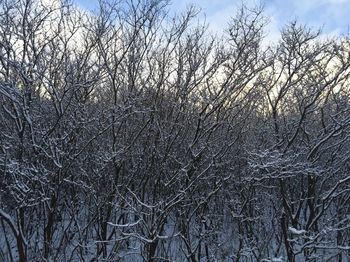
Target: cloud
[331,15]
[216,13]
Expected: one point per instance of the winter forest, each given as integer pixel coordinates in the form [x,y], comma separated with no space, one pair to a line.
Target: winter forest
[130,134]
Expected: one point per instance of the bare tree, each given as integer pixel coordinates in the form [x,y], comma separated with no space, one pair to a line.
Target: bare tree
[128,134]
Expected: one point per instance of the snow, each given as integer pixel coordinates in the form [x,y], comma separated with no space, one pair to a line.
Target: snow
[295,231]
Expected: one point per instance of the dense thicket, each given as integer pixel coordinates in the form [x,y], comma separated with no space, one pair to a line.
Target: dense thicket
[129,135]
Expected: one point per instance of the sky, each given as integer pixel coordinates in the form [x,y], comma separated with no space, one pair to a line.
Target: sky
[333,16]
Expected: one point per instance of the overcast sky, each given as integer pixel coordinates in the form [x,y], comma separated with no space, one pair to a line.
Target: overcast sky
[332,15]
